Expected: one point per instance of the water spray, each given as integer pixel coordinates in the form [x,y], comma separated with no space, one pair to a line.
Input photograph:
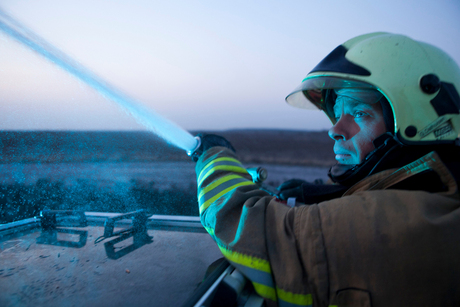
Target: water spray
[155,123]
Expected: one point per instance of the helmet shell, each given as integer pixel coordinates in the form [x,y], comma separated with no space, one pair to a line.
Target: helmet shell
[420,81]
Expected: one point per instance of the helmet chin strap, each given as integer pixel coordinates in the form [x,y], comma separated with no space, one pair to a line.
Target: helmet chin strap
[348,175]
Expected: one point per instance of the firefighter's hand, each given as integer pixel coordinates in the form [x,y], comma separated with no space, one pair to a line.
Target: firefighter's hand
[292,188]
[209,141]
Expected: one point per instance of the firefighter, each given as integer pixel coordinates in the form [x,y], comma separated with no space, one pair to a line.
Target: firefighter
[387,233]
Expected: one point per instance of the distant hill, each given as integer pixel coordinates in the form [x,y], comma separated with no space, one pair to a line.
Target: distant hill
[282,146]
[258,146]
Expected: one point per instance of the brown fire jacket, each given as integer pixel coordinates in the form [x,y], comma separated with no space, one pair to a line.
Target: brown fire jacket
[374,246]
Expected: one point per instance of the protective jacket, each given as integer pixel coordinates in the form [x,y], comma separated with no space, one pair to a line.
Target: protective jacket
[374,246]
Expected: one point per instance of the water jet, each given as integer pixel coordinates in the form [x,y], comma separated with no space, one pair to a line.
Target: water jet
[154,122]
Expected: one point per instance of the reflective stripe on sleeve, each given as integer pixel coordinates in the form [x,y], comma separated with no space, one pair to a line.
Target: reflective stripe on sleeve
[255,275]
[257,270]
[224,163]
[246,260]
[218,161]
[220,188]
[264,291]
[209,230]
[290,299]
[223,183]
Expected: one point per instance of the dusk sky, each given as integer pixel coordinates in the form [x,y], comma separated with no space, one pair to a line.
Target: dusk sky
[202,64]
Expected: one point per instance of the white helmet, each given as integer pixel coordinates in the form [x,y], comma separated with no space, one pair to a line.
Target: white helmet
[420,82]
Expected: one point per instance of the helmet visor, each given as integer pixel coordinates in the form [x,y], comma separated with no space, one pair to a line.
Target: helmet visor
[318,91]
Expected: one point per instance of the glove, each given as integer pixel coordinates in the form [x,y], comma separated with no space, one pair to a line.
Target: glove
[292,188]
[209,141]
[305,191]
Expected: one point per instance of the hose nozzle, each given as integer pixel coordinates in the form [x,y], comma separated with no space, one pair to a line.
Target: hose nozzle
[198,144]
[258,174]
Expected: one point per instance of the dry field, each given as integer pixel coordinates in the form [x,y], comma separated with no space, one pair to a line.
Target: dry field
[126,171]
[282,146]
[253,146]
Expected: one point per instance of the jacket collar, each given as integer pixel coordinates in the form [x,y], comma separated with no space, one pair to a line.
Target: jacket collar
[386,179]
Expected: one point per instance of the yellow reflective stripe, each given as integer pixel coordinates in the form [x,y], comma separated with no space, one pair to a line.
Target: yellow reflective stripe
[232,168]
[229,182]
[265,291]
[216,183]
[209,230]
[207,203]
[216,161]
[252,262]
[297,299]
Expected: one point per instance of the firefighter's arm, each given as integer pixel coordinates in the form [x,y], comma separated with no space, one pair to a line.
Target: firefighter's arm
[253,231]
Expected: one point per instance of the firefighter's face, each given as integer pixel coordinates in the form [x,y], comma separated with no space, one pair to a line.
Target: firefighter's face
[358,125]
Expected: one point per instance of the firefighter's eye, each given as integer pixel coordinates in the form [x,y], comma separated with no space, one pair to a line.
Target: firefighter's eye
[359,114]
